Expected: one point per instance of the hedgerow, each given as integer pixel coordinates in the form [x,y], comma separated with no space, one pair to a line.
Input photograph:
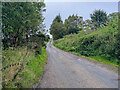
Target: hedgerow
[104,42]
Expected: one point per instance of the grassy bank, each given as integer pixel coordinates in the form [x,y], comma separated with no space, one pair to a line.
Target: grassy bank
[101,45]
[95,58]
[22,68]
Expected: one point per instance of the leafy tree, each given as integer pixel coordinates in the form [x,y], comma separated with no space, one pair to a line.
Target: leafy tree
[88,25]
[99,17]
[113,15]
[57,28]
[19,21]
[58,19]
[47,37]
[73,24]
[22,23]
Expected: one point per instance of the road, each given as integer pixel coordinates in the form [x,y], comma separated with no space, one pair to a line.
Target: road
[65,70]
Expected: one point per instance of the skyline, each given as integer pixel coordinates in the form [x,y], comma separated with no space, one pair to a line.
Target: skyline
[83,9]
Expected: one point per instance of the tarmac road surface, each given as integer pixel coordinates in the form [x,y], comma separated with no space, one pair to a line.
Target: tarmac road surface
[65,70]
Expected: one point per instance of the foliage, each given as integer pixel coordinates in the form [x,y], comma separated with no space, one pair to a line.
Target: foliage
[73,24]
[32,67]
[21,23]
[47,38]
[58,19]
[88,25]
[105,42]
[57,28]
[99,17]
[113,15]
[23,54]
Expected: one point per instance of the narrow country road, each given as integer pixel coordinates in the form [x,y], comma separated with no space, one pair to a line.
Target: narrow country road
[65,70]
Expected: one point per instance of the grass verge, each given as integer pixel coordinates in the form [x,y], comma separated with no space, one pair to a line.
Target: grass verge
[21,68]
[95,58]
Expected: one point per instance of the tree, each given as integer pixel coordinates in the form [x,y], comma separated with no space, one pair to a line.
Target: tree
[113,15]
[20,21]
[88,25]
[73,24]
[99,17]
[22,24]
[58,19]
[57,28]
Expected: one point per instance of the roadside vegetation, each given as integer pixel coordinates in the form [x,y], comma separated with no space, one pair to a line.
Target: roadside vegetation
[97,39]
[23,44]
[22,68]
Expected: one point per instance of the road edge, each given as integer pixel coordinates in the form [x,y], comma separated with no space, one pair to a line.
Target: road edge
[107,66]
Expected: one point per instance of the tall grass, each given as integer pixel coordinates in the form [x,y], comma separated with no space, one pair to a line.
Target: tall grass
[21,68]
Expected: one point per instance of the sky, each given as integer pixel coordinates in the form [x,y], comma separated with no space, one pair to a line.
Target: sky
[83,9]
[81,0]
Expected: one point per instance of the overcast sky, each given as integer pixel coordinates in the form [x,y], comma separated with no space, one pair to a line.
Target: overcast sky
[81,0]
[83,9]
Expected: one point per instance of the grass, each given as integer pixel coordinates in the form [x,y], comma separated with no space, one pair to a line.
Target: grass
[100,45]
[23,67]
[95,58]
[103,60]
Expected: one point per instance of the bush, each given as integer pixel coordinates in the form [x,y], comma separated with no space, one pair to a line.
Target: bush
[22,68]
[105,42]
